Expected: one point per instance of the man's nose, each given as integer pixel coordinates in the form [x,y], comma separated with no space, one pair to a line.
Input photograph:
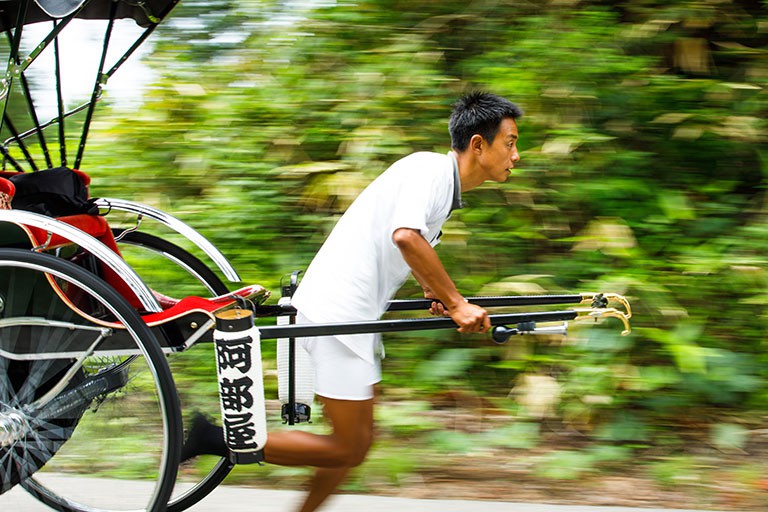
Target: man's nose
[515,156]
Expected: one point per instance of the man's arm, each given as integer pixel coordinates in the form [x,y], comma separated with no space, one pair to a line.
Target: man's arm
[431,275]
[437,307]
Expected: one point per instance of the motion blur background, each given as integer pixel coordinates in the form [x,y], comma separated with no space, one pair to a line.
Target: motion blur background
[643,172]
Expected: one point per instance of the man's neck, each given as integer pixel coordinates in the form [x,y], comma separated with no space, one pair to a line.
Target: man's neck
[468,175]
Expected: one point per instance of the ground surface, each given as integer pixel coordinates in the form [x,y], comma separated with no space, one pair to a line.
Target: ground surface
[554,471]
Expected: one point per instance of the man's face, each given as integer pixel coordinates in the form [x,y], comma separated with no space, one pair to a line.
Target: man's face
[499,157]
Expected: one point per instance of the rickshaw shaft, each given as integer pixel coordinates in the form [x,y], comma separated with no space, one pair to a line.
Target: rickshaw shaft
[416,324]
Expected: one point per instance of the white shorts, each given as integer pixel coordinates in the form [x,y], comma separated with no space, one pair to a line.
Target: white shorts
[340,374]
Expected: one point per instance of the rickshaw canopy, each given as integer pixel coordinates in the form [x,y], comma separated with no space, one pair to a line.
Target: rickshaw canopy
[144,12]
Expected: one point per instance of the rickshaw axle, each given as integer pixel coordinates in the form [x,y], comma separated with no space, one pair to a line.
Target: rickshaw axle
[13,427]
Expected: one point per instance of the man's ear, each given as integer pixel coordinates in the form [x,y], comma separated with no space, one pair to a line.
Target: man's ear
[476,143]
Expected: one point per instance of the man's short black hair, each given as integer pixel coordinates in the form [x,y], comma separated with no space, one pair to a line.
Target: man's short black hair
[479,113]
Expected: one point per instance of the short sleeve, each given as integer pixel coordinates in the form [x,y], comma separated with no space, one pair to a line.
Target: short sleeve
[423,200]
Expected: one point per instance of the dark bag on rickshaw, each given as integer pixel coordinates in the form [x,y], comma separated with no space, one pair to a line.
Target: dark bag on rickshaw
[56,192]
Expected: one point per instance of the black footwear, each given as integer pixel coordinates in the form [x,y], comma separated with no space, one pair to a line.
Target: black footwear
[204,438]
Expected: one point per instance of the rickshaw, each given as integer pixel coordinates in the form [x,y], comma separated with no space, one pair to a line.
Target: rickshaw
[88,345]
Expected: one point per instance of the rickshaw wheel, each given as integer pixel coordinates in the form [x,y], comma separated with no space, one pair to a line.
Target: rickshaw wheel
[147,252]
[93,421]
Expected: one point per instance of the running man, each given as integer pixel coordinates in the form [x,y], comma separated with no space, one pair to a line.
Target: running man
[388,233]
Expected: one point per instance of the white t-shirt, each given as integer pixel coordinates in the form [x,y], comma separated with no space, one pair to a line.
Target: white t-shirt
[359,268]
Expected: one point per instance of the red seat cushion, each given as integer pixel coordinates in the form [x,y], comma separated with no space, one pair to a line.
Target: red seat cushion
[208,306]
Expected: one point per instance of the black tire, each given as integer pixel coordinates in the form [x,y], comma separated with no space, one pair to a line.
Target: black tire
[55,315]
[214,470]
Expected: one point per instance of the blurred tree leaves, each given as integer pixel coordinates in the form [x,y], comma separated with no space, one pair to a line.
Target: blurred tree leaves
[643,172]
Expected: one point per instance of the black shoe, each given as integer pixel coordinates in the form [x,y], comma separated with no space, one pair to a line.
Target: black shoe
[204,438]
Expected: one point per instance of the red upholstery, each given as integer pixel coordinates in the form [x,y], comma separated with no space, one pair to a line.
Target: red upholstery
[6,193]
[97,227]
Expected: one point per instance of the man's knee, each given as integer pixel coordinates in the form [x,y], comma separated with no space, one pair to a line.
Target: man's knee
[350,456]
[352,430]
[351,459]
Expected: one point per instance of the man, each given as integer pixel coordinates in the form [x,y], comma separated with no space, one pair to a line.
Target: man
[387,233]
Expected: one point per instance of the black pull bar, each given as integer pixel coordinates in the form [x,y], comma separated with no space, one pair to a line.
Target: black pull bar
[415,324]
[490,302]
[424,304]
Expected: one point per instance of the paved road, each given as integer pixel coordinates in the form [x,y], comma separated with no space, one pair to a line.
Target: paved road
[234,499]
[282,501]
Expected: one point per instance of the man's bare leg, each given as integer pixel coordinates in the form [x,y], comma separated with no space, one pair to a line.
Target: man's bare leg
[334,454]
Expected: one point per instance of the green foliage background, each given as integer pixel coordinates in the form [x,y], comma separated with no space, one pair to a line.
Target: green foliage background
[643,172]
